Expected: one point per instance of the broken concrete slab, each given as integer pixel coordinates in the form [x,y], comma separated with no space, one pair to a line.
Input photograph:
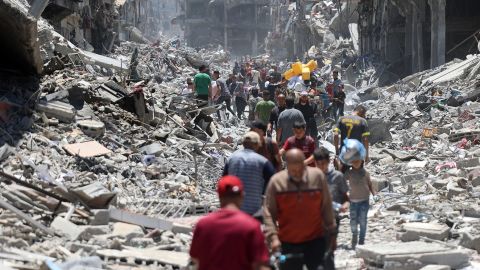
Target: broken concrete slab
[66,228]
[470,240]
[104,61]
[412,178]
[382,131]
[452,72]
[95,195]
[179,259]
[87,149]
[127,230]
[100,217]
[92,128]
[58,109]
[425,253]
[142,220]
[413,231]
[152,149]
[468,163]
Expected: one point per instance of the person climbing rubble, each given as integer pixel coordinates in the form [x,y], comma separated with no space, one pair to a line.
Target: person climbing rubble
[253,169]
[298,214]
[229,232]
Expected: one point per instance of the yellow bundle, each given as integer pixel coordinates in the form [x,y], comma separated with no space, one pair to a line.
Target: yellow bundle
[301,69]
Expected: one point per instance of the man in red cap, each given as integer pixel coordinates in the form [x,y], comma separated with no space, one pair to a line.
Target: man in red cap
[229,238]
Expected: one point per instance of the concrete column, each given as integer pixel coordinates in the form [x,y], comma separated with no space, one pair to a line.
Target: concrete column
[225,25]
[438,32]
[442,32]
[419,48]
[410,28]
[255,34]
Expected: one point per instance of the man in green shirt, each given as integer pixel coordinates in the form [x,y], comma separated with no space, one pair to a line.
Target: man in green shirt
[264,108]
[203,84]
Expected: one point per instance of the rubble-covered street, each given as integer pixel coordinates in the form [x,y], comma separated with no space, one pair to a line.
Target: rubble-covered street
[109,159]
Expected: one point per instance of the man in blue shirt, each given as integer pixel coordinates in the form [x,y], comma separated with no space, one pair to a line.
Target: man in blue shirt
[253,169]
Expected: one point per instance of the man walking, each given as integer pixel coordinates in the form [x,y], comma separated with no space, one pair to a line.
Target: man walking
[298,213]
[352,127]
[224,93]
[203,84]
[240,97]
[264,108]
[286,120]
[273,121]
[253,169]
[300,140]
[269,148]
[308,112]
[229,238]
[339,103]
[338,189]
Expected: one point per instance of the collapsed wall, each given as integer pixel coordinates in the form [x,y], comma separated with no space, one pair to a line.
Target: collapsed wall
[19,49]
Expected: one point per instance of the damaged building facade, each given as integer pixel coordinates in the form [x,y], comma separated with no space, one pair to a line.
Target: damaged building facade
[414,35]
[239,25]
[96,25]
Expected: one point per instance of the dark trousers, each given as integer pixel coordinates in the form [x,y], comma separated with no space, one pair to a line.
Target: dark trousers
[338,109]
[329,263]
[312,129]
[228,104]
[313,254]
[241,105]
[202,97]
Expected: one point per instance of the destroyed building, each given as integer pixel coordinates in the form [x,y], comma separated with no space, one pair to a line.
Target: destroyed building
[412,36]
[239,25]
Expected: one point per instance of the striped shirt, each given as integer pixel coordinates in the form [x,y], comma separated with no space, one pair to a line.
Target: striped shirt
[255,171]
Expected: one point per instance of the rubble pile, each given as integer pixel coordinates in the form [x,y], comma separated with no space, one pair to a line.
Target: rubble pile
[106,165]
[425,162]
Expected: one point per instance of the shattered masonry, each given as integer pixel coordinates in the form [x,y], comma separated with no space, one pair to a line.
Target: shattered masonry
[103,173]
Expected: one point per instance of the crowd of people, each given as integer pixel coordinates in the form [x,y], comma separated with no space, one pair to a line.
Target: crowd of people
[281,177]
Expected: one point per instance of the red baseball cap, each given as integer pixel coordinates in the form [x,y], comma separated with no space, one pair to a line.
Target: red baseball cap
[229,185]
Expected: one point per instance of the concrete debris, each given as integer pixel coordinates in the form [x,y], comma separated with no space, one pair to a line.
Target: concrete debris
[104,156]
[412,255]
[109,164]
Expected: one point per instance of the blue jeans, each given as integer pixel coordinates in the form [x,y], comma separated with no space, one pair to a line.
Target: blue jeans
[358,216]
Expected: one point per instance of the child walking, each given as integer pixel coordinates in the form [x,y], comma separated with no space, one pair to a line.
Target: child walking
[360,189]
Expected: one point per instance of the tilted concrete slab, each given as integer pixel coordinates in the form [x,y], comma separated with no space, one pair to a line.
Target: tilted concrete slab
[19,49]
[413,231]
[401,253]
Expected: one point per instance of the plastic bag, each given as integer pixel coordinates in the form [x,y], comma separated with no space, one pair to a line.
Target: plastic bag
[352,150]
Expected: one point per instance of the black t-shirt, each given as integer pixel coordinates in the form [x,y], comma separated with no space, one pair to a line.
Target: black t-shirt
[307,110]
[352,127]
[271,89]
[274,116]
[340,97]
